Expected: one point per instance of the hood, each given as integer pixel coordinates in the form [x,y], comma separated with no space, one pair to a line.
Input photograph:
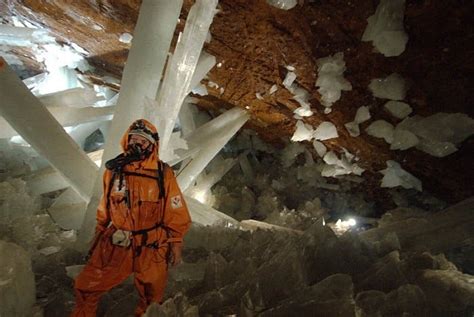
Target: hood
[151,162]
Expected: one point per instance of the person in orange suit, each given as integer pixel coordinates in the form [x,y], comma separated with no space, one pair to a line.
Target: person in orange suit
[141,220]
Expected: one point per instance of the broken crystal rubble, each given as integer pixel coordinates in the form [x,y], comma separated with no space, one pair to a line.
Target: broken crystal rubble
[325,131]
[330,78]
[395,175]
[17,281]
[381,129]
[392,87]
[385,28]
[398,109]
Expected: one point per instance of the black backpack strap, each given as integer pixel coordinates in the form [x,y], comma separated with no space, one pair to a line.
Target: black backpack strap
[161,179]
[109,190]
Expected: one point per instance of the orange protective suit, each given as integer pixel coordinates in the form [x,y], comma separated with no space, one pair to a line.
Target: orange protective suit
[147,254]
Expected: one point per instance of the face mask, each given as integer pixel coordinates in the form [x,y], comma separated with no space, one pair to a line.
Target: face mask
[135,150]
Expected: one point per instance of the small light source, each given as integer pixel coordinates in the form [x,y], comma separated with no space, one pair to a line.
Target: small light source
[351,222]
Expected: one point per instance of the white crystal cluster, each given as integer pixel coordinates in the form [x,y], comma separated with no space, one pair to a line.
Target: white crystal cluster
[304,132]
[180,69]
[300,94]
[336,166]
[283,4]
[392,87]
[438,135]
[395,175]
[362,115]
[385,28]
[331,80]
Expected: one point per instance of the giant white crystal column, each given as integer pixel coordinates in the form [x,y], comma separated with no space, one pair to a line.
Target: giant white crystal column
[219,168]
[180,70]
[73,97]
[66,117]
[141,77]
[37,126]
[204,65]
[206,215]
[211,138]
[186,118]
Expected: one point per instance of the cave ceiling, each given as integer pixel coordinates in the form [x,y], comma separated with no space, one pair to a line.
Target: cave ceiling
[253,42]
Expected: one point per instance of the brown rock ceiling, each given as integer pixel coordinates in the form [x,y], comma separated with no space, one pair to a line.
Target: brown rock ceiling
[254,42]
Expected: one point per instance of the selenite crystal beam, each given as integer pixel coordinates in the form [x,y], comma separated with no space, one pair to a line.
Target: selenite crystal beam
[186,119]
[74,97]
[179,73]
[206,215]
[141,77]
[142,73]
[205,63]
[66,117]
[211,138]
[25,113]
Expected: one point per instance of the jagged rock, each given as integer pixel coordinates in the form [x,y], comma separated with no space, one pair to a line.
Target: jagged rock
[384,275]
[176,306]
[447,290]
[408,300]
[370,303]
[330,297]
[17,281]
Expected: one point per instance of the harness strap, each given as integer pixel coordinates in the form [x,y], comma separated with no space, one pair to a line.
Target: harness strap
[109,190]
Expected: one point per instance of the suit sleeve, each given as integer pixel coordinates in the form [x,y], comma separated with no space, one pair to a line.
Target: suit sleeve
[103,214]
[177,216]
